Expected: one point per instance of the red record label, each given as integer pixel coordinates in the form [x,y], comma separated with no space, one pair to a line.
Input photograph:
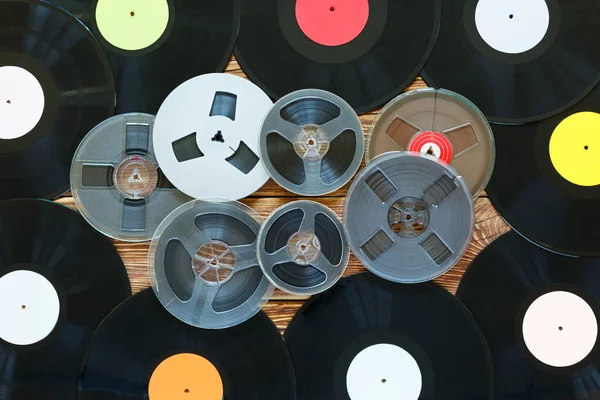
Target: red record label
[433,143]
[332,22]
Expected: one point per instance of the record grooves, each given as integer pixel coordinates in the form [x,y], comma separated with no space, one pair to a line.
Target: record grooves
[276,51]
[545,183]
[518,61]
[142,39]
[251,359]
[368,338]
[58,279]
[539,312]
[55,85]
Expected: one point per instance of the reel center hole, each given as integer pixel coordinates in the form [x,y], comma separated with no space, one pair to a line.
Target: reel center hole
[586,147]
[218,137]
[132,13]
[408,217]
[430,151]
[214,263]
[560,328]
[332,8]
[383,380]
[8,102]
[23,307]
[511,16]
[186,391]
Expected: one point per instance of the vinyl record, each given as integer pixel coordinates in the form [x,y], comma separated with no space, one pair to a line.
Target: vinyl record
[367,339]
[155,45]
[55,85]
[302,248]
[365,51]
[203,264]
[141,352]
[539,312]
[58,279]
[440,123]
[116,182]
[518,61]
[206,137]
[546,183]
[408,217]
[312,142]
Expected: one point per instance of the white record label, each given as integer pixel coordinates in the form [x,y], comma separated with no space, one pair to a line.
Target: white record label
[29,307]
[21,102]
[512,26]
[560,329]
[384,372]
[206,137]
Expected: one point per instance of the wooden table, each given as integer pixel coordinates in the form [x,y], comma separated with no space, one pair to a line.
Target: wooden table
[282,307]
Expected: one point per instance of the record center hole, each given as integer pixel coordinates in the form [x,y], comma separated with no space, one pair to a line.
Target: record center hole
[383,380]
[560,328]
[23,307]
[332,8]
[511,16]
[586,147]
[186,391]
[132,14]
[8,102]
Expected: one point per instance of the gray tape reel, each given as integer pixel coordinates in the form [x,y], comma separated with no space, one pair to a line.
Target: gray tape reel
[302,248]
[312,142]
[203,264]
[116,182]
[408,217]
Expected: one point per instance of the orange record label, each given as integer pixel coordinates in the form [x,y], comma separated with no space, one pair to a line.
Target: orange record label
[185,377]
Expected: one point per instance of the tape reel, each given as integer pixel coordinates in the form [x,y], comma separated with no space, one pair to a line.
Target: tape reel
[312,142]
[206,137]
[408,217]
[440,123]
[203,264]
[116,182]
[302,248]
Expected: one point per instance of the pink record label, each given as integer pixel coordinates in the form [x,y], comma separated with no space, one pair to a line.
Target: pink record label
[333,22]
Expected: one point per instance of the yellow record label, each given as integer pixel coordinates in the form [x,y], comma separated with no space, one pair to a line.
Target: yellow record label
[132,24]
[185,376]
[575,149]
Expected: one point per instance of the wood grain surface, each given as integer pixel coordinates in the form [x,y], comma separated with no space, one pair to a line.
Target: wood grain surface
[282,307]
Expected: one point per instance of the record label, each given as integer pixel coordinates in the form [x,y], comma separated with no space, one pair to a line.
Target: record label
[384,371]
[574,148]
[512,26]
[132,24]
[560,329]
[21,102]
[332,23]
[29,307]
[185,376]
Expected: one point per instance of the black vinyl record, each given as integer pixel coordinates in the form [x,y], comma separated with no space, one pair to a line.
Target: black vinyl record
[546,183]
[365,51]
[55,85]
[58,279]
[141,351]
[368,338]
[518,61]
[539,312]
[155,46]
